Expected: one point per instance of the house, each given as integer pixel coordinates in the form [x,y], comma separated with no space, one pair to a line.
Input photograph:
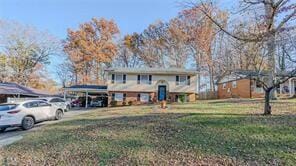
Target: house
[14,90]
[241,84]
[144,85]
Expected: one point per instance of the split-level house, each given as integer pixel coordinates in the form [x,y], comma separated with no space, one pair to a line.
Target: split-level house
[242,84]
[146,85]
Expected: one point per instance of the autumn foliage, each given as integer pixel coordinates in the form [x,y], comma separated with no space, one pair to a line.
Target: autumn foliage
[90,48]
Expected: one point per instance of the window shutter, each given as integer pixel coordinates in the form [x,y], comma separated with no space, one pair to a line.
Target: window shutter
[113,78]
[113,96]
[150,79]
[139,79]
[139,97]
[124,78]
[188,80]
[124,96]
[177,80]
[177,98]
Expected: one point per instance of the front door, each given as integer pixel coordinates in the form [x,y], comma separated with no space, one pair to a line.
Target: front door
[161,92]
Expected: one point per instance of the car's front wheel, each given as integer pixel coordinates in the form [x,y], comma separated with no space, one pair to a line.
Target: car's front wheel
[2,130]
[59,115]
[28,123]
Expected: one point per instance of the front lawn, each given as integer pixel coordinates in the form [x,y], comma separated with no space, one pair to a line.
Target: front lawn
[224,132]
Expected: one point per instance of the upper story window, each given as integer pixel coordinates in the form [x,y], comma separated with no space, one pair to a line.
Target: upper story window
[182,80]
[118,78]
[224,86]
[144,79]
[234,84]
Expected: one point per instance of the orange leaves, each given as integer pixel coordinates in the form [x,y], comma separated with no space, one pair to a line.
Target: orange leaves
[90,45]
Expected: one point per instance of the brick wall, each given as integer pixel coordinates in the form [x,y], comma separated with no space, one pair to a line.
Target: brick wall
[133,97]
[242,89]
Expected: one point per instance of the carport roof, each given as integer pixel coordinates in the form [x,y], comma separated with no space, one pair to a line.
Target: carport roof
[89,86]
[83,88]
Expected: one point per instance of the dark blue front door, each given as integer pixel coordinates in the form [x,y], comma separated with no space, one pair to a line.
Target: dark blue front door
[161,93]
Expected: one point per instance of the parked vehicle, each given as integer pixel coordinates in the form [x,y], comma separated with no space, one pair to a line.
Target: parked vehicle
[27,113]
[101,101]
[59,102]
[96,103]
[76,103]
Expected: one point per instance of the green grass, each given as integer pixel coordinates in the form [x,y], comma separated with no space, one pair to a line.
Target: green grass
[223,132]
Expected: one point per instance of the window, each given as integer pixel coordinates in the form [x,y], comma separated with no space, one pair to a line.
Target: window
[224,86]
[56,100]
[182,80]
[43,104]
[144,97]
[5,107]
[144,79]
[259,87]
[118,97]
[234,84]
[118,78]
[31,104]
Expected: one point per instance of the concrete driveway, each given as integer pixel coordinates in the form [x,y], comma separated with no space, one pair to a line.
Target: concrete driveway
[15,134]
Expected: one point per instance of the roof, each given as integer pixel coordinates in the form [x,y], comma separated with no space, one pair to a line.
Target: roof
[13,88]
[162,71]
[243,74]
[91,88]
[88,87]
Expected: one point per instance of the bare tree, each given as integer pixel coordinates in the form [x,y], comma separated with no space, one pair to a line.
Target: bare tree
[272,17]
[24,49]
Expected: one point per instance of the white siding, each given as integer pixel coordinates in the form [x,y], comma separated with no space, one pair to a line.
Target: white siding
[132,85]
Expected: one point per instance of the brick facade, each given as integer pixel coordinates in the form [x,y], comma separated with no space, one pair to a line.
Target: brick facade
[134,99]
[243,89]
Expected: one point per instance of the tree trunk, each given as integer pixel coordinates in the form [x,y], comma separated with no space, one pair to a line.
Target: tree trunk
[198,76]
[269,11]
[267,106]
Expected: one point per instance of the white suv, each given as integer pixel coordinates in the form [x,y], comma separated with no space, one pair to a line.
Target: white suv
[25,114]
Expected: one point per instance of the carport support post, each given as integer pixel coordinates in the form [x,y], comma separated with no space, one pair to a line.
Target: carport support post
[65,92]
[86,100]
[290,87]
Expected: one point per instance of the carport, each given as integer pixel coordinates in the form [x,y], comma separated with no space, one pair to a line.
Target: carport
[87,90]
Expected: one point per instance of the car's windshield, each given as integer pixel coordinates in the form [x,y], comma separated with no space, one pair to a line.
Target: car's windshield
[6,107]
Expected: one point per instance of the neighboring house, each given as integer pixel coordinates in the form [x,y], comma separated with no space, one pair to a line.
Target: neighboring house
[14,90]
[146,85]
[241,84]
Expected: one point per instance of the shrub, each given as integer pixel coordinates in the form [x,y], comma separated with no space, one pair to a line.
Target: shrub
[130,103]
[182,98]
[124,103]
[113,103]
